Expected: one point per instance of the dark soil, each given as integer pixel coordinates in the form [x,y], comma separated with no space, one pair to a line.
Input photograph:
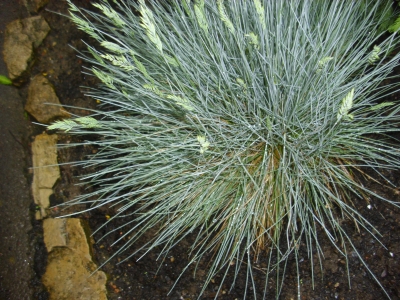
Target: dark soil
[152,277]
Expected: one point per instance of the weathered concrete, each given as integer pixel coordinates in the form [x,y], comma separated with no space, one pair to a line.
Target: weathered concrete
[43,103]
[70,273]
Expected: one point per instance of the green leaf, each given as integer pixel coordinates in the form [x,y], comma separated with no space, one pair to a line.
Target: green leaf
[5,80]
[395,26]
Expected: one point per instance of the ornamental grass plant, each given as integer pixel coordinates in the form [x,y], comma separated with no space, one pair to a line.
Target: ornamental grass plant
[247,123]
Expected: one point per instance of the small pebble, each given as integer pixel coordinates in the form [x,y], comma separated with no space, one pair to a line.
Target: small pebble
[384,273]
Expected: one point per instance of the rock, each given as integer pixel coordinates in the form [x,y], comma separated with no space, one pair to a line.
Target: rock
[69,276]
[66,232]
[70,272]
[20,38]
[42,102]
[45,170]
[35,5]
[17,51]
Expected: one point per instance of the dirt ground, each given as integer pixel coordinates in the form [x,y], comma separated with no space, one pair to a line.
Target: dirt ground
[152,278]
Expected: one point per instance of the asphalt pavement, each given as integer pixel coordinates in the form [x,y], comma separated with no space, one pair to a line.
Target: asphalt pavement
[16,249]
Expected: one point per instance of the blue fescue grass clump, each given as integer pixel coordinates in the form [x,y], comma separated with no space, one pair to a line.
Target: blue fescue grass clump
[243,121]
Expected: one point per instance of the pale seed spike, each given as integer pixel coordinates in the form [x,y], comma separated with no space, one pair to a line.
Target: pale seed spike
[106,79]
[201,18]
[241,82]
[84,26]
[72,7]
[253,40]
[171,60]
[141,68]
[111,14]
[374,56]
[260,12]
[382,105]
[186,7]
[96,56]
[181,101]
[113,47]
[346,105]
[65,125]
[119,61]
[88,122]
[154,89]
[204,144]
[224,16]
[323,62]
[147,19]
[200,4]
